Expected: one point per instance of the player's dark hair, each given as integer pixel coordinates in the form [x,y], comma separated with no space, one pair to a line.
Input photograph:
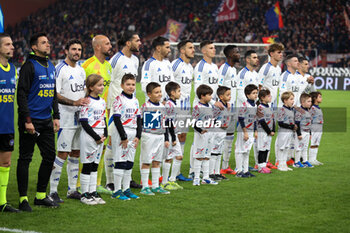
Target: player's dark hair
[228,49]
[262,94]
[34,39]
[304,96]
[286,95]
[222,90]
[301,59]
[159,41]
[249,89]
[203,90]
[73,41]
[204,43]
[314,95]
[3,35]
[91,81]
[290,56]
[182,44]
[151,86]
[127,77]
[275,47]
[249,53]
[126,36]
[171,86]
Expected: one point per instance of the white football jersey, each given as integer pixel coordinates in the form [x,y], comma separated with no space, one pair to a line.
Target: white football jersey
[70,83]
[228,78]
[269,78]
[121,65]
[94,113]
[128,110]
[245,77]
[156,71]
[183,75]
[289,82]
[205,73]
[304,86]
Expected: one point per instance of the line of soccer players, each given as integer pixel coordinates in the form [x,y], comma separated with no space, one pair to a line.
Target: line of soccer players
[223,101]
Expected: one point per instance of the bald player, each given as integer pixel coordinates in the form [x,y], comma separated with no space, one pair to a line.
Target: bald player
[98,64]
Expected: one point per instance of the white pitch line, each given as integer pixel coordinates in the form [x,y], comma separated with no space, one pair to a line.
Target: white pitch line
[16,230]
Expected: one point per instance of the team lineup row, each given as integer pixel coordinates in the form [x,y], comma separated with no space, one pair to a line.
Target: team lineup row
[41,86]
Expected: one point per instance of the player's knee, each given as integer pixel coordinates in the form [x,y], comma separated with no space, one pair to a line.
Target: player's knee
[168,160]
[5,163]
[75,154]
[178,157]
[155,163]
[62,155]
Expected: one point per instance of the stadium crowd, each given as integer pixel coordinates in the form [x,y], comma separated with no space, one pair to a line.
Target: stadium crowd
[306,27]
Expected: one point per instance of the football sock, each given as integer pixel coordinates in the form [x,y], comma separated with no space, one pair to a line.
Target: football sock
[313,154]
[144,177]
[84,182]
[205,168]
[227,151]
[4,179]
[72,173]
[239,161]
[182,144]
[191,160]
[297,156]
[277,150]
[40,195]
[118,177]
[256,151]
[109,164]
[93,182]
[217,164]
[126,179]
[212,163]
[23,198]
[56,174]
[304,155]
[197,168]
[166,170]
[175,170]
[155,176]
[245,162]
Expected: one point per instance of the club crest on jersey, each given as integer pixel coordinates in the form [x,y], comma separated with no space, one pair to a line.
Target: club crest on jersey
[152,120]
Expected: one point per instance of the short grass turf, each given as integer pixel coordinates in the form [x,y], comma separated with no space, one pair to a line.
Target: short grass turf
[305,200]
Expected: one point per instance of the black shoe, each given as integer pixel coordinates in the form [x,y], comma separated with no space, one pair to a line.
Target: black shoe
[248,174]
[110,187]
[222,177]
[7,208]
[46,202]
[54,196]
[135,185]
[74,195]
[24,206]
[214,177]
[241,175]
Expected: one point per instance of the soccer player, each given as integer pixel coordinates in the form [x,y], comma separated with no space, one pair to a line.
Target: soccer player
[157,68]
[98,64]
[306,81]
[126,134]
[8,76]
[70,83]
[224,117]
[183,75]
[316,127]
[247,76]
[202,112]
[246,132]
[303,121]
[172,110]
[123,62]
[228,78]
[266,129]
[269,77]
[286,130]
[37,100]
[154,139]
[92,136]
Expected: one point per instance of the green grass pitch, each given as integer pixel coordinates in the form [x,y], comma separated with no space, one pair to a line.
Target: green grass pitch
[305,200]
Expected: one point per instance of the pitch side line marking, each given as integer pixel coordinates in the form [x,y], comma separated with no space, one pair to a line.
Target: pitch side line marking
[16,230]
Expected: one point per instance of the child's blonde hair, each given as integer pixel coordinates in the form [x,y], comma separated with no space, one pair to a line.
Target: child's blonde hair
[91,81]
[286,95]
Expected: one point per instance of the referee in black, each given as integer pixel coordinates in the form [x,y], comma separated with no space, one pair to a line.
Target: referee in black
[38,120]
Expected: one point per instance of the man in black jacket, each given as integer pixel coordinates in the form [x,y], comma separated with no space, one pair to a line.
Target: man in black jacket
[37,100]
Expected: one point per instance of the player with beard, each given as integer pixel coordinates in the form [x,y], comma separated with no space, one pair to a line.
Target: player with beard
[123,62]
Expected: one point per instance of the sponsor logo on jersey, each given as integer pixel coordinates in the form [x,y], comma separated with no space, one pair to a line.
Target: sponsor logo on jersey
[13,80]
[275,83]
[185,80]
[76,87]
[64,145]
[233,84]
[213,80]
[152,120]
[164,78]
[2,82]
